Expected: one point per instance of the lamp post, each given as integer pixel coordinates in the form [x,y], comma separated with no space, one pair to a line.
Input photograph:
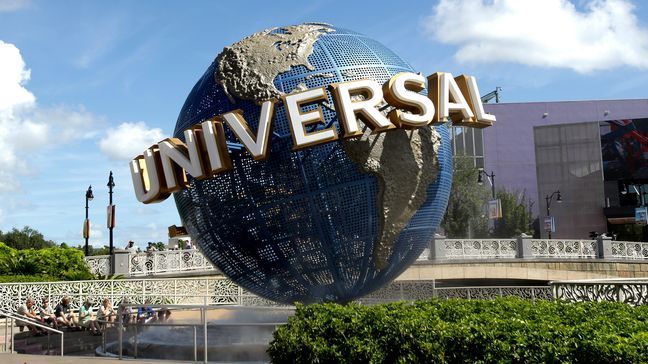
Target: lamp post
[491,176]
[86,224]
[111,211]
[491,179]
[548,199]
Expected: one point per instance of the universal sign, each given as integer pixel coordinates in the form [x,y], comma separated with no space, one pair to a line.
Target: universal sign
[162,169]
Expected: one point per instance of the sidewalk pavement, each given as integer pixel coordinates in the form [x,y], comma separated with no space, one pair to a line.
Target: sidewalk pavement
[7,358]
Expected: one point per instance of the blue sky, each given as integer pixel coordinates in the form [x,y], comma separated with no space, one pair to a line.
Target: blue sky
[77,75]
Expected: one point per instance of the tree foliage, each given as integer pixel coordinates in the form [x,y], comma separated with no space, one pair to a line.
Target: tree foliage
[27,238]
[53,263]
[516,215]
[466,213]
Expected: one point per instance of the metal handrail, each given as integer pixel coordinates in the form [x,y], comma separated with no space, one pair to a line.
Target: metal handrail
[121,326]
[28,321]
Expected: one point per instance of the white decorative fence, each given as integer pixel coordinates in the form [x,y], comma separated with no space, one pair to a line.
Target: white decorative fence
[480,248]
[630,249]
[630,291]
[525,247]
[174,261]
[143,264]
[177,291]
[222,291]
[99,264]
[155,263]
[556,248]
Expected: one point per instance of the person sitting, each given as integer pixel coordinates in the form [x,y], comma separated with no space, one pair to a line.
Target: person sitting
[145,314]
[29,310]
[106,314]
[86,320]
[64,315]
[124,311]
[163,314]
[47,314]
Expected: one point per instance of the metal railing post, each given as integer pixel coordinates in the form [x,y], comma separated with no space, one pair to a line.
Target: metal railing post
[120,336]
[5,335]
[195,337]
[12,335]
[205,331]
[62,344]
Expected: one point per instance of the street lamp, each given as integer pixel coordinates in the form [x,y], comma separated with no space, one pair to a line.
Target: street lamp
[548,199]
[86,225]
[491,179]
[111,211]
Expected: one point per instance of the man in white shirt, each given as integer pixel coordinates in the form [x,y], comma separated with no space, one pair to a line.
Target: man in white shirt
[29,310]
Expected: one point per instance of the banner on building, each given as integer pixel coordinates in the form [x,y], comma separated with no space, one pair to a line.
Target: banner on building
[494,209]
[549,224]
[641,216]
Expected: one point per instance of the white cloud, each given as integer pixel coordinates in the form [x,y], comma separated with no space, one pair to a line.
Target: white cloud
[12,5]
[25,128]
[129,140]
[551,33]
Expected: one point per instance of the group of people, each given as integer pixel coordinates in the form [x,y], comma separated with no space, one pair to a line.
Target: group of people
[63,316]
[152,247]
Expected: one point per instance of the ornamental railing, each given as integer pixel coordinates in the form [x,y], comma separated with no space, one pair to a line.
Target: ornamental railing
[222,291]
[441,249]
[178,291]
[557,248]
[630,291]
[171,261]
[176,261]
[153,263]
[480,248]
[420,290]
[630,249]
[99,264]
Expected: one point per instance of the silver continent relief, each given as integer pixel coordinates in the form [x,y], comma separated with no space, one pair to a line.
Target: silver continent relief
[405,162]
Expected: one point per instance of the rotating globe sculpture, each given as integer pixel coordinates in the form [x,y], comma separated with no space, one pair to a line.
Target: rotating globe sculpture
[329,223]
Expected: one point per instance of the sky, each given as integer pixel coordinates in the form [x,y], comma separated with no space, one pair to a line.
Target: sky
[87,85]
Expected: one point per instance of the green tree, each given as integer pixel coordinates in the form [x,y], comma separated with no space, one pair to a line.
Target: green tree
[516,215]
[466,207]
[27,238]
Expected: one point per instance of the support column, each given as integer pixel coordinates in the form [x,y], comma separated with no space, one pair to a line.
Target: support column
[604,247]
[437,248]
[121,262]
[524,250]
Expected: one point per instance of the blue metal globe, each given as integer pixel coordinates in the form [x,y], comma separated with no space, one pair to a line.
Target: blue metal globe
[304,226]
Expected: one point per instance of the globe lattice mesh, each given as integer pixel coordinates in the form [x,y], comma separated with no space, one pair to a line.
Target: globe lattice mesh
[301,226]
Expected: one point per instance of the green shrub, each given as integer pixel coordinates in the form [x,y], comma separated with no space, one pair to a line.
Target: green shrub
[56,263]
[508,330]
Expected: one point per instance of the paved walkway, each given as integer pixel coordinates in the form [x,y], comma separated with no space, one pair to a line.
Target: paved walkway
[38,359]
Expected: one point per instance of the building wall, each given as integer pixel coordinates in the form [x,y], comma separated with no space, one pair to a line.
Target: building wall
[509,151]
[568,159]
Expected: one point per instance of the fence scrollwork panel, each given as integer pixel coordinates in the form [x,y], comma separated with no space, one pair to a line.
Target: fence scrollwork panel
[556,248]
[480,248]
[630,250]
